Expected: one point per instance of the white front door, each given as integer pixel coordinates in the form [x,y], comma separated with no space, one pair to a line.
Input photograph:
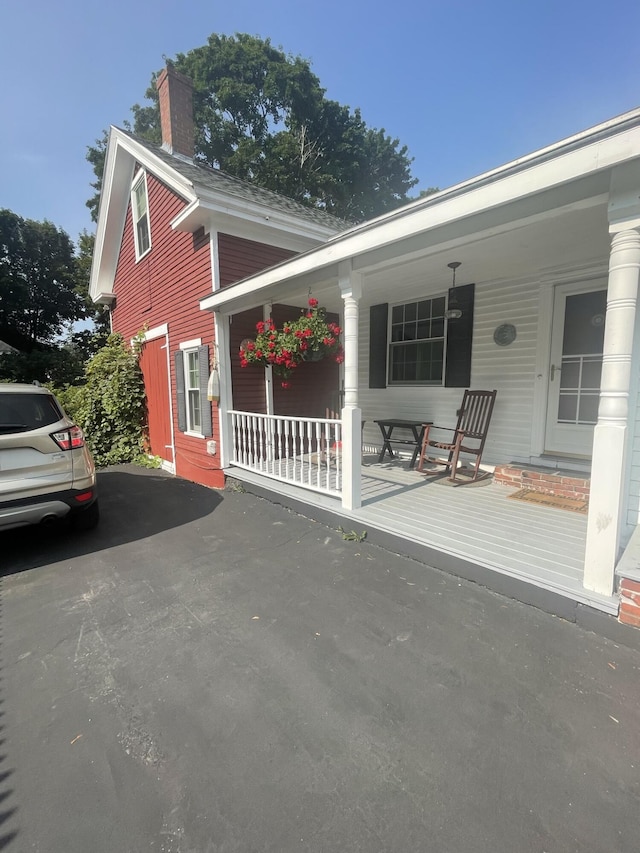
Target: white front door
[577,339]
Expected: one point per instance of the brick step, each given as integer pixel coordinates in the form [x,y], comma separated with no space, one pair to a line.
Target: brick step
[550,481]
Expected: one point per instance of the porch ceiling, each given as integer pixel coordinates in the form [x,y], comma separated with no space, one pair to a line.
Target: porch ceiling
[569,240]
[550,241]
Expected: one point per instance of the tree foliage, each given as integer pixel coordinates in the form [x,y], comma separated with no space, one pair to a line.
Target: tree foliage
[97,314]
[38,281]
[48,363]
[111,405]
[262,116]
[44,290]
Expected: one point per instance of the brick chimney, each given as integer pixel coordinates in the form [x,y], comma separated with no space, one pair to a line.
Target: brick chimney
[175,93]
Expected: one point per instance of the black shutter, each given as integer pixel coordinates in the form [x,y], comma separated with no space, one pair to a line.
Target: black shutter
[182,405]
[378,315]
[460,338]
[205,406]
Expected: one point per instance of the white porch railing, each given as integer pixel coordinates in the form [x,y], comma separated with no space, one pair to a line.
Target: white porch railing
[303,451]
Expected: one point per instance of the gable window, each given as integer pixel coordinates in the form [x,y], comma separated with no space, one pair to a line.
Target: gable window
[140,210]
[417,344]
[192,374]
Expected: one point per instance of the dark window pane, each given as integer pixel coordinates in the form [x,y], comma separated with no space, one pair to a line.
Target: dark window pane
[437,307]
[591,370]
[570,375]
[397,314]
[410,311]
[423,330]
[584,323]
[27,411]
[567,408]
[424,309]
[588,413]
[437,327]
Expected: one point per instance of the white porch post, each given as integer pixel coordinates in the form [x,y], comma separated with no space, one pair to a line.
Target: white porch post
[610,434]
[268,371]
[221,325]
[350,284]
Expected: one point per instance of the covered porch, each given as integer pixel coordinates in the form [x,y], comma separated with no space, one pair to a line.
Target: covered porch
[479,533]
[556,229]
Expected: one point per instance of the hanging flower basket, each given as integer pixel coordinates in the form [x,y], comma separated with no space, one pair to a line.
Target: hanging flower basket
[309,338]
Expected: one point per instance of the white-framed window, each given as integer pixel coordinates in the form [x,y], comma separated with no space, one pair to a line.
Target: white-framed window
[417,342]
[140,210]
[192,375]
[192,391]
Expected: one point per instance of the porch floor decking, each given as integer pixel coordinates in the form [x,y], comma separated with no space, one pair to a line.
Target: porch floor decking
[542,546]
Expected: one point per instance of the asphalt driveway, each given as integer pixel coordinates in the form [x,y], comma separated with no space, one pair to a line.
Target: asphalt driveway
[210,672]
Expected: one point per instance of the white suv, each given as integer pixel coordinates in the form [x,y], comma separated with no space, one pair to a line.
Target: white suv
[46,470]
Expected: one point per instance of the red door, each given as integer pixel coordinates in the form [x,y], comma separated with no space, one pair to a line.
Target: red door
[153,363]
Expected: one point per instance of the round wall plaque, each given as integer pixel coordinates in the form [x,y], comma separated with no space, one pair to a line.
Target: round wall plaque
[505,334]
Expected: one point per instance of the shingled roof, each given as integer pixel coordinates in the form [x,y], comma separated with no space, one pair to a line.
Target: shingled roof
[203,176]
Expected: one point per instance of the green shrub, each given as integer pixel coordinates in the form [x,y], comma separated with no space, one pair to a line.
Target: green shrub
[111,406]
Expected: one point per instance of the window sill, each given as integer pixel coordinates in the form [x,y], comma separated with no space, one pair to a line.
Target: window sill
[143,255]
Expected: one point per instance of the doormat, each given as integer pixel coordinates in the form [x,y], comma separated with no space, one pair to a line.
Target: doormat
[556,501]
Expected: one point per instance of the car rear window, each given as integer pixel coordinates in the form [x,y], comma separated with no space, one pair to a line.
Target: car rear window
[23,412]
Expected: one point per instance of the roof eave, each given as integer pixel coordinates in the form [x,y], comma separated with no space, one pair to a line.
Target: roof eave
[596,150]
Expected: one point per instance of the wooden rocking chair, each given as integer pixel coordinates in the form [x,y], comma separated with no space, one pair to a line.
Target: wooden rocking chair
[469,434]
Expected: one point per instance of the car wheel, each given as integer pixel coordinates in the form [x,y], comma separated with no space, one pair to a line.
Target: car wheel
[88,519]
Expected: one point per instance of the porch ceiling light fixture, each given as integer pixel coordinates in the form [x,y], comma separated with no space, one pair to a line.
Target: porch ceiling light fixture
[453,312]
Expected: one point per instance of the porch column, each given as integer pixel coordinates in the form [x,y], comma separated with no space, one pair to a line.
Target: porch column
[268,370]
[223,360]
[610,434]
[351,290]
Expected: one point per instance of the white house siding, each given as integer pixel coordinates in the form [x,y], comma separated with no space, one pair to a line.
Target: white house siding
[509,369]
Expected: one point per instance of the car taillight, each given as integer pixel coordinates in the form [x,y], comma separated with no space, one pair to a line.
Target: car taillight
[69,439]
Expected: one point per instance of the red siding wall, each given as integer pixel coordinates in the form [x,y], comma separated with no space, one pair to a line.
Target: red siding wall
[165,287]
[240,258]
[249,392]
[313,386]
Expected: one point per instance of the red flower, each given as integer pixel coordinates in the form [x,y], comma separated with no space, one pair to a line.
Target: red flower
[304,346]
[258,353]
[285,384]
[309,315]
[313,303]
[244,362]
[340,358]
[307,333]
[260,327]
[251,346]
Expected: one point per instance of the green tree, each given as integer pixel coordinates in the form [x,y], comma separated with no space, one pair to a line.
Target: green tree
[262,116]
[38,282]
[89,340]
[110,406]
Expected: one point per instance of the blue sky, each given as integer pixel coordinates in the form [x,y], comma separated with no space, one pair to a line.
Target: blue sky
[466,86]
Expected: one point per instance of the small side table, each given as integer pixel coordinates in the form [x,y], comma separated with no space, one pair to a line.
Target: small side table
[387,426]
